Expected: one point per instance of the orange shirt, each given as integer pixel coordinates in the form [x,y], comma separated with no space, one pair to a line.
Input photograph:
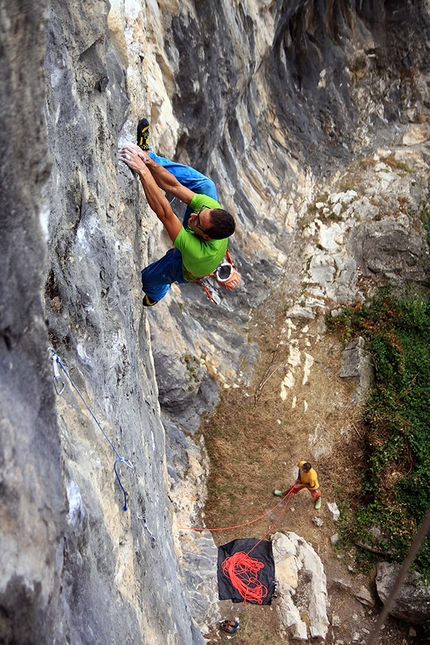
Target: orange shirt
[309,479]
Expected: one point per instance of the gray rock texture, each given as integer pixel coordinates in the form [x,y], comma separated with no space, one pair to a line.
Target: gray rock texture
[311,119]
[33,510]
[365,597]
[72,553]
[323,223]
[357,365]
[412,601]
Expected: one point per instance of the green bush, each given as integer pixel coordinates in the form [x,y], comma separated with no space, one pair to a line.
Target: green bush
[396,477]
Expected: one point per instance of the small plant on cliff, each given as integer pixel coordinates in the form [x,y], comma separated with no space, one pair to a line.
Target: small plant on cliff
[395,492]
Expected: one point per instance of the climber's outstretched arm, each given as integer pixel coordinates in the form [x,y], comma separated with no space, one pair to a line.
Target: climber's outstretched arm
[164,179]
[168,182]
[156,200]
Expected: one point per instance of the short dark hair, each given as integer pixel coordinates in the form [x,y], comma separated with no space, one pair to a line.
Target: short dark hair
[222,224]
[306,467]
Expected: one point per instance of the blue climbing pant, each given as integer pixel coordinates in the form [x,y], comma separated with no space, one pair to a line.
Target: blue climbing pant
[189,177]
[158,276]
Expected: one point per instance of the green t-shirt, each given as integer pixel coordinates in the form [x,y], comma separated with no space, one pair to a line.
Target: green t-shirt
[199,257]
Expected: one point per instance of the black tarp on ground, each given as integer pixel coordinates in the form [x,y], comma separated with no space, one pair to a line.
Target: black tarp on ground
[266,575]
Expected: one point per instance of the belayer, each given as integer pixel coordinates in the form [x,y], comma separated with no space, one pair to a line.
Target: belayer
[200,243]
[306,478]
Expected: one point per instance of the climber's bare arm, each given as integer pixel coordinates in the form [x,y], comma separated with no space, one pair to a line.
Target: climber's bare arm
[156,200]
[164,179]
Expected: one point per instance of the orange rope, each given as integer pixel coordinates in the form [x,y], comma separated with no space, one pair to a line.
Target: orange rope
[240,568]
[242,571]
[287,498]
[237,526]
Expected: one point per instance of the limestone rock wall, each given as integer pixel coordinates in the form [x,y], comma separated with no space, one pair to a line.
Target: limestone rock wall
[298,564]
[77,568]
[33,513]
[411,602]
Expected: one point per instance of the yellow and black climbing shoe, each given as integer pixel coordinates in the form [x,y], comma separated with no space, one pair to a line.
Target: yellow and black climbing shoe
[147,302]
[143,134]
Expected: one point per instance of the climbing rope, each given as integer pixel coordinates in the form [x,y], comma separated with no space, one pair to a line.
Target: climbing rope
[238,526]
[59,386]
[285,499]
[240,568]
[242,571]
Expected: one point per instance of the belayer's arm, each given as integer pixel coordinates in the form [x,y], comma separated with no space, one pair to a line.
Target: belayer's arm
[156,200]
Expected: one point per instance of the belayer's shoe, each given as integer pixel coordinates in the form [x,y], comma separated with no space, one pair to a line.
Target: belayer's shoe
[143,134]
[147,302]
[318,504]
[277,492]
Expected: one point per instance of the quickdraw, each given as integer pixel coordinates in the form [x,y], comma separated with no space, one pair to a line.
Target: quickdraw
[207,288]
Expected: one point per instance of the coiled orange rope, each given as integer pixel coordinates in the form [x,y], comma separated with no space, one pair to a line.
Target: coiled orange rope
[242,570]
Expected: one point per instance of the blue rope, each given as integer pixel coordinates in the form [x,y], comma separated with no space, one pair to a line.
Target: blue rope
[124,508]
[56,360]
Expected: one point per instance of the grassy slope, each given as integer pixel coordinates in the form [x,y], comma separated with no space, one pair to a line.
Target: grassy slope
[396,479]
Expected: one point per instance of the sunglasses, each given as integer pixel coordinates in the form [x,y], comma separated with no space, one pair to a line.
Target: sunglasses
[196,222]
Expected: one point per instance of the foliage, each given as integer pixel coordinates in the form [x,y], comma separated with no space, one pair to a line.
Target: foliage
[395,492]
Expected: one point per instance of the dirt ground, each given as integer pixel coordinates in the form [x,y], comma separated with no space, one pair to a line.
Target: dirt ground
[255,440]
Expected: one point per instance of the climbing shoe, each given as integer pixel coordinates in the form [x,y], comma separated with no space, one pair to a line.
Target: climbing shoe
[277,492]
[143,134]
[318,504]
[147,302]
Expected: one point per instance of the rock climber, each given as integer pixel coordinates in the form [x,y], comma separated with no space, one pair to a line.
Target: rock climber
[200,243]
[307,478]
